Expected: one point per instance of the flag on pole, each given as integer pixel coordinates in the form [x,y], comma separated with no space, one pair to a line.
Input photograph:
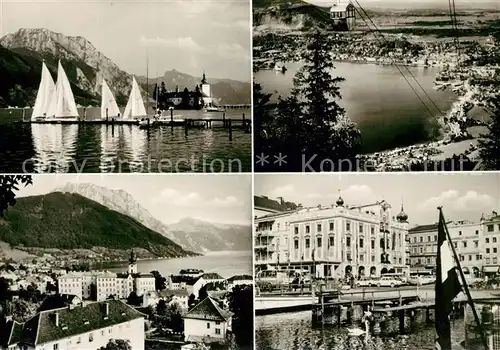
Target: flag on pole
[447,287]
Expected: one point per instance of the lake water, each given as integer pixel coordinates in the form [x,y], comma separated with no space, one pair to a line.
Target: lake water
[121,148]
[380,101]
[294,331]
[225,263]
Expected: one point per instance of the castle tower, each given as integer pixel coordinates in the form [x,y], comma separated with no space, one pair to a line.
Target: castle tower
[132,266]
[206,91]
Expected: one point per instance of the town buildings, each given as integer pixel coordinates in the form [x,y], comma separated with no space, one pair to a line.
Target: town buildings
[201,96]
[333,242]
[207,322]
[239,280]
[194,285]
[476,244]
[78,327]
[99,285]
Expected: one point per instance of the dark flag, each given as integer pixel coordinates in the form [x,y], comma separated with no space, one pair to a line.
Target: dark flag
[447,287]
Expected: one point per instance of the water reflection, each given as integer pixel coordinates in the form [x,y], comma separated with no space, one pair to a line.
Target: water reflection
[54,146]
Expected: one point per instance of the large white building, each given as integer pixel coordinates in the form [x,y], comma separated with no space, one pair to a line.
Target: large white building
[78,327]
[334,242]
[476,244]
[100,285]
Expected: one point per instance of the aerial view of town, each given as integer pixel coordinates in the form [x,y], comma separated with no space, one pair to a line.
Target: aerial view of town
[125,262]
[376,85]
[384,261]
[114,91]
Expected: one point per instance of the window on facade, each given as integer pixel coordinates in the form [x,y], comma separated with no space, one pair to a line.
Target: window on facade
[102,333]
[459,233]
[318,228]
[348,226]
[331,226]
[494,239]
[465,244]
[331,241]
[487,260]
[319,241]
[491,228]
[296,244]
[372,230]
[361,242]
[308,229]
[217,323]
[348,241]
[360,228]
[494,250]
[495,260]
[208,325]
[428,238]
[478,257]
[217,331]
[476,244]
[373,244]
[373,258]
[80,340]
[296,230]
[55,346]
[308,243]
[421,239]
[487,240]
[477,232]
[362,258]
[455,244]
[461,258]
[348,256]
[487,250]
[470,257]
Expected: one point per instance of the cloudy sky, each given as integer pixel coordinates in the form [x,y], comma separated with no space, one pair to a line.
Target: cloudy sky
[190,36]
[214,198]
[463,196]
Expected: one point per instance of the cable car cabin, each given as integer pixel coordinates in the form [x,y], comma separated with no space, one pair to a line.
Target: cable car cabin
[343,15]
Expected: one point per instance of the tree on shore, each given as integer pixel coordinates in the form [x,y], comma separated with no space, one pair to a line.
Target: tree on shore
[241,304]
[309,123]
[117,344]
[489,143]
[8,185]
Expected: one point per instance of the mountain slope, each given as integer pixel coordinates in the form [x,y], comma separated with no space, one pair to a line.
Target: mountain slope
[85,67]
[227,91]
[194,235]
[70,221]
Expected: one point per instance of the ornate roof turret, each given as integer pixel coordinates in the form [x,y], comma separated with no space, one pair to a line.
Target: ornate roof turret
[402,216]
[340,201]
[204,79]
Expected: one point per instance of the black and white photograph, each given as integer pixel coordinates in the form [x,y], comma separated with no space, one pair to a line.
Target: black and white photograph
[126,262]
[376,85]
[125,86]
[377,261]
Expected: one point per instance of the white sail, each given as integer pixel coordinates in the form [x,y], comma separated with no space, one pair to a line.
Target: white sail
[135,105]
[62,104]
[108,102]
[44,95]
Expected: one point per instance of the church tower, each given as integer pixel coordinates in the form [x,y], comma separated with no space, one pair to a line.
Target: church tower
[132,266]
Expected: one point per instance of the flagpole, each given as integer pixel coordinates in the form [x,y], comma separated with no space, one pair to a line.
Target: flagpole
[464,282]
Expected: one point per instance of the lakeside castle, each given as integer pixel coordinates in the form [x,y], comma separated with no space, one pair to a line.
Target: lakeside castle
[198,98]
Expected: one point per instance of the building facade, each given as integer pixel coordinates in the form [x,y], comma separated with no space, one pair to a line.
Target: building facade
[100,285]
[334,242]
[79,327]
[207,320]
[491,248]
[343,15]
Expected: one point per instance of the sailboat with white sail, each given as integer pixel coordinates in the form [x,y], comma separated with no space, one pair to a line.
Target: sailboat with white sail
[45,91]
[109,107]
[135,106]
[62,106]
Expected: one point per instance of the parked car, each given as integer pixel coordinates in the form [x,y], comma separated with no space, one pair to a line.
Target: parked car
[387,281]
[414,281]
[427,279]
[367,282]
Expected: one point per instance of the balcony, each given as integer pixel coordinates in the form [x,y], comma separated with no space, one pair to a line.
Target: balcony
[268,247]
[267,233]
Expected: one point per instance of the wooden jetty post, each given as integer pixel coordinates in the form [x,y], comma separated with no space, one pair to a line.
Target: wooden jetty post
[107,117]
[185,127]
[243,120]
[172,117]
[230,130]
[224,119]
[84,113]
[24,113]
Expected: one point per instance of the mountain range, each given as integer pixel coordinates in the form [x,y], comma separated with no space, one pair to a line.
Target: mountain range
[22,54]
[192,234]
[71,221]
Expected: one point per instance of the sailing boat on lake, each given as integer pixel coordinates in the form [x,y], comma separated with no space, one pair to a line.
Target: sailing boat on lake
[109,107]
[62,106]
[44,95]
[135,106]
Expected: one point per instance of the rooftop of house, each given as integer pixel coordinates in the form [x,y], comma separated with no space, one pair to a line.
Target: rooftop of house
[211,276]
[72,321]
[208,309]
[240,278]
[425,228]
[271,204]
[174,292]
